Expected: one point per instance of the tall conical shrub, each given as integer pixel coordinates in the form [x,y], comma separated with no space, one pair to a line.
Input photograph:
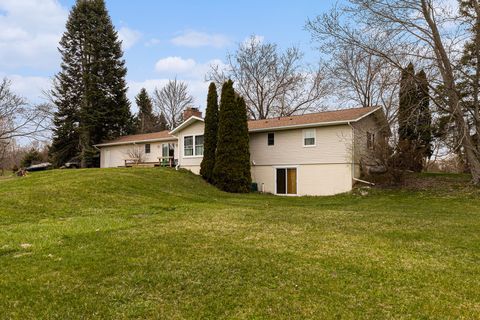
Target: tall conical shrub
[232,162]
[210,135]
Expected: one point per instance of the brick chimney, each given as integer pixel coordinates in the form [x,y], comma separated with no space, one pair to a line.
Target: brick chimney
[191,111]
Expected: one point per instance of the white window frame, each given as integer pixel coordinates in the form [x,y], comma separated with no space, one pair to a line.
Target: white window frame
[194,136]
[271,145]
[314,137]
[286,181]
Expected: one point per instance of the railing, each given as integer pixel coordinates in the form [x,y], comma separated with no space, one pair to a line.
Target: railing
[167,161]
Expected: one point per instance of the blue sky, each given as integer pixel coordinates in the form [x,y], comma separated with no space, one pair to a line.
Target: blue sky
[162,39]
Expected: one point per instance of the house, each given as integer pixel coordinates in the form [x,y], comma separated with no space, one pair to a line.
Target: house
[312,154]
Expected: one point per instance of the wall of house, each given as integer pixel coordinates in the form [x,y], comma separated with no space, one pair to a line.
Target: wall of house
[364,155]
[333,146]
[190,163]
[114,156]
[312,179]
[324,169]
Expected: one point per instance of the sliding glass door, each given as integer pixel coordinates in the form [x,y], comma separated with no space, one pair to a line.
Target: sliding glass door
[286,181]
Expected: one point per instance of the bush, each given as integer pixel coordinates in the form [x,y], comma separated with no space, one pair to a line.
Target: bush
[31,157]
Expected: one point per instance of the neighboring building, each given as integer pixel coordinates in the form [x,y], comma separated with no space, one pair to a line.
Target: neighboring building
[312,154]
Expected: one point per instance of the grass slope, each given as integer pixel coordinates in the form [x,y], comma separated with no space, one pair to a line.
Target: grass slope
[155,243]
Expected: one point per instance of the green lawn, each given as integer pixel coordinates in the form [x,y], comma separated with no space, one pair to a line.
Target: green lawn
[156,243]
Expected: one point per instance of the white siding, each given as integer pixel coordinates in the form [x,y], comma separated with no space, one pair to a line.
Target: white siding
[333,145]
[114,156]
[190,163]
[313,180]
[363,154]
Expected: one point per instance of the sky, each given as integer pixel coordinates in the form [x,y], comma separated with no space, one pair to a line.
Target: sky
[161,39]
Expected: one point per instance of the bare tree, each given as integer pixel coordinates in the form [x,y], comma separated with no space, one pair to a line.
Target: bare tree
[423,30]
[273,83]
[363,79]
[20,119]
[136,154]
[171,101]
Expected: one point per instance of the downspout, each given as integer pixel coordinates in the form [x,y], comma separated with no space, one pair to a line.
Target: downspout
[353,158]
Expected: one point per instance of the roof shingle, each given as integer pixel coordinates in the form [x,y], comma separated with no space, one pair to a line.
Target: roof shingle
[312,118]
[325,117]
[162,135]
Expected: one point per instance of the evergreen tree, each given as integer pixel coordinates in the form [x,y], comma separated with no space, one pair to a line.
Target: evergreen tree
[31,157]
[146,121]
[210,135]
[232,172]
[414,120]
[407,104]
[90,90]
[424,122]
[244,144]
[469,74]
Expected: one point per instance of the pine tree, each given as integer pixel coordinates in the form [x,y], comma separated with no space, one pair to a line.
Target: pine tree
[231,172]
[244,144]
[469,74]
[210,135]
[30,158]
[146,120]
[407,104]
[90,90]
[424,123]
[414,120]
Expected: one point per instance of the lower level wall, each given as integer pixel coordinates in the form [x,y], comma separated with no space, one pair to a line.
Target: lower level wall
[194,169]
[312,180]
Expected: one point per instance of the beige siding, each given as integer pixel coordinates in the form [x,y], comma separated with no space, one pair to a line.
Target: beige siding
[333,145]
[114,156]
[190,163]
[364,155]
[312,180]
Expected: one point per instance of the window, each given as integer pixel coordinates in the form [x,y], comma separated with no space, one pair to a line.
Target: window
[199,145]
[286,181]
[370,141]
[147,148]
[309,138]
[165,150]
[271,139]
[188,146]
[193,146]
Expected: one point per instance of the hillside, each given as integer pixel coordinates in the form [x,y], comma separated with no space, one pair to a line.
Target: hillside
[156,243]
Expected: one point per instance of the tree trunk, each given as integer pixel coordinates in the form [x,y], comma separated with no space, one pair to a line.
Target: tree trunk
[446,71]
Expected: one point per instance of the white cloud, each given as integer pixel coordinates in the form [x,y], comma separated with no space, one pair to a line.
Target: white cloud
[129,37]
[30,32]
[195,39]
[30,88]
[153,42]
[192,72]
[174,65]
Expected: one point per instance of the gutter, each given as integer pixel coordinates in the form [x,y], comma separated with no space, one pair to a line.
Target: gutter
[133,142]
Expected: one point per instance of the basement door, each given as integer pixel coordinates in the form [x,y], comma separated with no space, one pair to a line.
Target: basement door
[286,181]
